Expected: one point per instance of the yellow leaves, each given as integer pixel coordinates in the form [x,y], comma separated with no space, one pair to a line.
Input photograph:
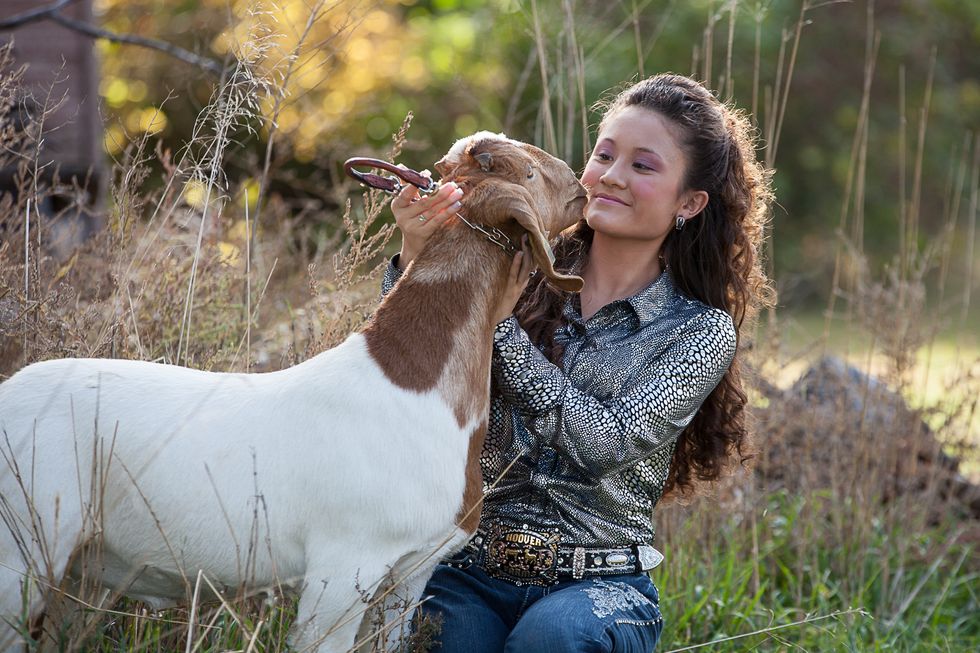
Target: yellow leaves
[337,102]
[311,71]
[114,139]
[229,254]
[349,70]
[359,51]
[378,22]
[115,92]
[152,120]
[136,91]
[118,91]
[145,120]
[194,193]
[288,119]
[412,72]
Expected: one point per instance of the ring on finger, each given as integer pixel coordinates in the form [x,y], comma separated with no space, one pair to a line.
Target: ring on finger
[422,218]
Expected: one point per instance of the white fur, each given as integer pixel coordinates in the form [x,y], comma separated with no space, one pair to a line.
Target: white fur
[314,469]
[458,149]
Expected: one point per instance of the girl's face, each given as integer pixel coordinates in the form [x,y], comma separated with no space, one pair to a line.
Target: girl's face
[635,178]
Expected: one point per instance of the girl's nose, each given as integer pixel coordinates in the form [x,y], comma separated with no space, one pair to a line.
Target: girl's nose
[612,176]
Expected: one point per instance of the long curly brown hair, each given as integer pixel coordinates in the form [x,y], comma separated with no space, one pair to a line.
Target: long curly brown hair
[715,259]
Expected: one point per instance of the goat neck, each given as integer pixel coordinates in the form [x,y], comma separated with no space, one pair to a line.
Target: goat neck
[434,330]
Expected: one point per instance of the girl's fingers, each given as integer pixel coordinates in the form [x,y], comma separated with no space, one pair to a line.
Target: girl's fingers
[418,217]
[445,201]
[405,196]
[515,268]
[521,268]
[403,206]
[527,259]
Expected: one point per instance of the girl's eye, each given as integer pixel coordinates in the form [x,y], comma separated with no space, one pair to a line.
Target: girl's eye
[642,165]
[603,156]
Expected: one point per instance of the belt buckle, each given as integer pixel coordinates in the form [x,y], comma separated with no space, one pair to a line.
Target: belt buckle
[522,556]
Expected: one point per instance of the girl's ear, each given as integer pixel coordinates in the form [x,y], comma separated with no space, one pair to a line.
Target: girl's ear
[694,202]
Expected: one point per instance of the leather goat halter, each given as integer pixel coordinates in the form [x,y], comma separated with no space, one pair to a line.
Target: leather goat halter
[426,185]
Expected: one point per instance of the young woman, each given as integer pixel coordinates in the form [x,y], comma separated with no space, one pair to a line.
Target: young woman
[607,400]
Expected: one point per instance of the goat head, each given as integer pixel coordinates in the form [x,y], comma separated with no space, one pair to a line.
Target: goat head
[505,180]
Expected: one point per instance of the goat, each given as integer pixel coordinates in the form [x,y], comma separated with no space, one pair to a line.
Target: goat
[362,463]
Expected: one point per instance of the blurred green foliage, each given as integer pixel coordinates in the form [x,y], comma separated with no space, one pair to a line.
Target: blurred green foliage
[463,65]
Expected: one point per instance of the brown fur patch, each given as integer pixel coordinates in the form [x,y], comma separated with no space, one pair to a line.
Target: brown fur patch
[412,334]
[434,330]
[468,517]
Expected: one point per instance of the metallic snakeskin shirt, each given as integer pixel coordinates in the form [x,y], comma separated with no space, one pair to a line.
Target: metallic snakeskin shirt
[589,444]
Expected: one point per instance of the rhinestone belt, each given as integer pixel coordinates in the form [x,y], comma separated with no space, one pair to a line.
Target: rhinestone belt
[527,557]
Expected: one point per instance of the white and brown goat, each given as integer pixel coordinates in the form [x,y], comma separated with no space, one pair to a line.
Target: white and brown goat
[356,466]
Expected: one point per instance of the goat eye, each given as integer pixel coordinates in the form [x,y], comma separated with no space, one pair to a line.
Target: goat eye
[530,172]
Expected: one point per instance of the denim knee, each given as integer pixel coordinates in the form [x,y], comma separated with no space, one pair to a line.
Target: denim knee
[591,616]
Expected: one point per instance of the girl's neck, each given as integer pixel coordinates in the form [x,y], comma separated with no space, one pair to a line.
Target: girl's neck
[617,269]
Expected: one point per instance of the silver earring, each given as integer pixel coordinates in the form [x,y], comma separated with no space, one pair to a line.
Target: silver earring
[680,222]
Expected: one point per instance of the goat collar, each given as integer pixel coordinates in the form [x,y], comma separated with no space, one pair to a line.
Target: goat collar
[494,235]
[500,239]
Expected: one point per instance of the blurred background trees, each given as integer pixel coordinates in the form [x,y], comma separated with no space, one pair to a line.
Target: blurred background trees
[342,75]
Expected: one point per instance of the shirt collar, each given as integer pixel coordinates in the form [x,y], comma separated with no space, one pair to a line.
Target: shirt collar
[651,301]
[646,305]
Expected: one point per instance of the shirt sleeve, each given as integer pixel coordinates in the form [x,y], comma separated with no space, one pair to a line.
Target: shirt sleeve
[602,436]
[391,276]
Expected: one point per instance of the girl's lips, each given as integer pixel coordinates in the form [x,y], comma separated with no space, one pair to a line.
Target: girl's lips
[606,199]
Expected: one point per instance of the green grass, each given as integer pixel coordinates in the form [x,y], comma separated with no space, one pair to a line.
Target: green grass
[891,589]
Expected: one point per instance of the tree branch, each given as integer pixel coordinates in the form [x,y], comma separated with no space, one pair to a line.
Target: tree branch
[32,15]
[52,12]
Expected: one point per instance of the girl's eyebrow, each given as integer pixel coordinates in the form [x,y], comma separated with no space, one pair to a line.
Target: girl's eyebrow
[646,150]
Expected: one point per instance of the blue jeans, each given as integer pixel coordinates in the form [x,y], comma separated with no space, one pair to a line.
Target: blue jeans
[481,614]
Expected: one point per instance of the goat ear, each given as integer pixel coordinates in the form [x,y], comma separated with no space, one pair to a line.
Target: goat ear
[513,201]
[544,257]
[442,166]
[485,159]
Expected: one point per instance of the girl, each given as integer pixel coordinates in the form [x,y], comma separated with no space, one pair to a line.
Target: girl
[605,401]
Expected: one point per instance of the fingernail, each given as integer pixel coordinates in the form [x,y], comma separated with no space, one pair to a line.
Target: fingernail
[457,194]
[456,206]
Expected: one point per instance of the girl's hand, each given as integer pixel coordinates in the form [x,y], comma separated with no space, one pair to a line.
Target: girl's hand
[419,217]
[521,270]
